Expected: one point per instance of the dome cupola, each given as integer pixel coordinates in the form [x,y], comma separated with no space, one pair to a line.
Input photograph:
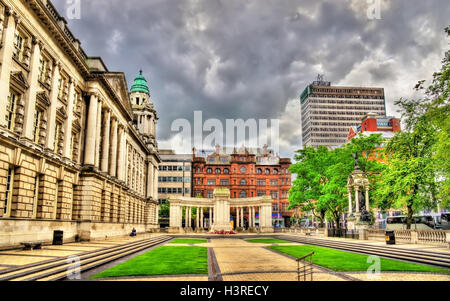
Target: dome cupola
[140,84]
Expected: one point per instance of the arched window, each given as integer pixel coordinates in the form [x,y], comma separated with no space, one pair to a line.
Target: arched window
[242,194]
[217,171]
[226,171]
[275,171]
[259,171]
[243,182]
[209,170]
[267,171]
[243,169]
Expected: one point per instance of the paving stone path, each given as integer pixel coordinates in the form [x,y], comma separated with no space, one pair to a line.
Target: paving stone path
[239,260]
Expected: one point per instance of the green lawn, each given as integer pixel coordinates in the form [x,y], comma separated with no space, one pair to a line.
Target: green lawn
[268,241]
[165,260]
[345,261]
[187,241]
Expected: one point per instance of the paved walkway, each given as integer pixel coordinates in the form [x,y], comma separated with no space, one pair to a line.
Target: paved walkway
[236,260]
[239,260]
[17,258]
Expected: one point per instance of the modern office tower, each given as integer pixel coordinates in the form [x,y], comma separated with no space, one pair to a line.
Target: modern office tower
[175,173]
[329,111]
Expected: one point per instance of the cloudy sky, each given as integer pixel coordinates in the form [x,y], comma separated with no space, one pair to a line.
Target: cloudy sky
[252,58]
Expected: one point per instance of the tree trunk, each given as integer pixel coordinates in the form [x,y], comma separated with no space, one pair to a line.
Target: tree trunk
[409,217]
[336,220]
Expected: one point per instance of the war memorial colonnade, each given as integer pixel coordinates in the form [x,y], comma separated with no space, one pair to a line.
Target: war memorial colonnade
[219,208]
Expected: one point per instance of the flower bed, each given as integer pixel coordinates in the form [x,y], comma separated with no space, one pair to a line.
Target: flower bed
[223,232]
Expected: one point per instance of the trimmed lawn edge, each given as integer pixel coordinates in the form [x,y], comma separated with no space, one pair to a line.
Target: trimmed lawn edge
[342,261]
[164,260]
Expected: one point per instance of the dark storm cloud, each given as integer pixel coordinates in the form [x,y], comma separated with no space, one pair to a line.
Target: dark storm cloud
[248,59]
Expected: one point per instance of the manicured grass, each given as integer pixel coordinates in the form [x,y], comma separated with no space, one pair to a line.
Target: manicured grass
[346,261]
[268,241]
[187,241]
[165,260]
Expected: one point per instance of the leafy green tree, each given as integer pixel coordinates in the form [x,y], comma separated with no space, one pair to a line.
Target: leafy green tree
[164,210]
[321,183]
[417,174]
[306,188]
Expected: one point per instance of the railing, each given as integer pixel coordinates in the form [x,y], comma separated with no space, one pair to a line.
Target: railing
[431,237]
[403,235]
[376,234]
[306,268]
[307,231]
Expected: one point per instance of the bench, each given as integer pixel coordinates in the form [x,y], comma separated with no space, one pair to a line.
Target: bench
[28,245]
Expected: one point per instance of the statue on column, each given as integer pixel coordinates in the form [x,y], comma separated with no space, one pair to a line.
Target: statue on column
[365,215]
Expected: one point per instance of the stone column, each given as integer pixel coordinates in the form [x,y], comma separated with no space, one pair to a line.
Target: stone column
[237,217]
[197,219]
[68,124]
[6,54]
[121,157]
[356,199]
[149,179]
[190,217]
[51,112]
[201,218]
[98,134]
[242,217]
[210,218]
[89,155]
[106,136]
[262,217]
[186,216]
[254,217]
[30,94]
[113,148]
[350,209]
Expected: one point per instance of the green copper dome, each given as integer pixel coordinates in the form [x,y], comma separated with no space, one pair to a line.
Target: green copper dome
[140,84]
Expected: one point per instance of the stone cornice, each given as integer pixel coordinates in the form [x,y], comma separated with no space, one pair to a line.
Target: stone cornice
[49,17]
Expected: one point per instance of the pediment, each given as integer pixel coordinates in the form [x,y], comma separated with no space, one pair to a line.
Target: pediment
[44,98]
[19,79]
[118,83]
[62,112]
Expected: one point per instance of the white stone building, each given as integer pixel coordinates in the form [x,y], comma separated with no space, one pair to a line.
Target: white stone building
[77,150]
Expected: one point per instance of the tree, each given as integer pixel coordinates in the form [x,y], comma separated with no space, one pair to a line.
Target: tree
[321,183]
[164,210]
[306,188]
[417,176]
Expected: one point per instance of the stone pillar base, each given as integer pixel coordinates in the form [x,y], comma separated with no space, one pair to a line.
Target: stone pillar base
[224,227]
[175,230]
[266,230]
[252,229]
[240,229]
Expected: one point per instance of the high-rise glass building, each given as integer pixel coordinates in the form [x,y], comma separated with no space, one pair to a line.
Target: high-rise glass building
[329,111]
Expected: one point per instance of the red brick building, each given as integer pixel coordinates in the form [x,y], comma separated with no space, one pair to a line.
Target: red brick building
[373,124]
[247,174]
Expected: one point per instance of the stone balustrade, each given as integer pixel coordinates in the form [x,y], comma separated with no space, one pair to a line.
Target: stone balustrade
[429,237]
[432,237]
[376,234]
